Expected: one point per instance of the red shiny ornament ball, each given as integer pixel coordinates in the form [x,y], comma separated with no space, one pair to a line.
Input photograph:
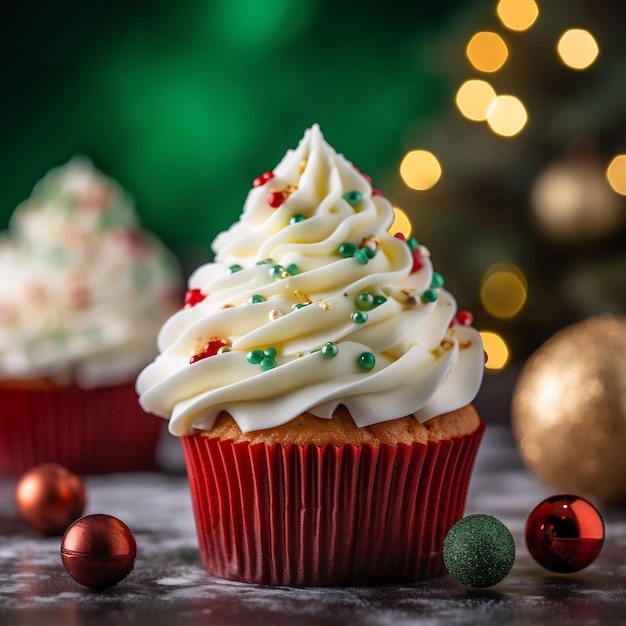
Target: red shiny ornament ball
[564,533]
[98,551]
[49,498]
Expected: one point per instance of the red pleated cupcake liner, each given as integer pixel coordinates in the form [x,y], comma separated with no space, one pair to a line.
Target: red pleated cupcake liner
[327,515]
[88,431]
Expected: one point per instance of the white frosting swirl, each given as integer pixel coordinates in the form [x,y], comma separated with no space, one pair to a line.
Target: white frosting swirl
[83,291]
[305,297]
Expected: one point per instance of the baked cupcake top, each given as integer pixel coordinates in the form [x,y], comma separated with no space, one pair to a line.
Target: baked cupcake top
[83,289]
[310,304]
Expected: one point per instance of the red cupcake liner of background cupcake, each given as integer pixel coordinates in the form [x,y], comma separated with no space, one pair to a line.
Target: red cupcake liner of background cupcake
[88,431]
[327,515]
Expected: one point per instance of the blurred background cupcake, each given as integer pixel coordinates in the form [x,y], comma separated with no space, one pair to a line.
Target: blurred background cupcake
[83,292]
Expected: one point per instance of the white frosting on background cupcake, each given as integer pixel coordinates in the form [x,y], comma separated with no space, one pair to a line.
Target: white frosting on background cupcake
[83,289]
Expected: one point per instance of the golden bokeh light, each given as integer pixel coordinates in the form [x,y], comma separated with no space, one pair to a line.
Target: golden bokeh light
[474,98]
[504,290]
[496,349]
[517,14]
[577,48]
[507,115]
[616,174]
[420,170]
[487,51]
[401,223]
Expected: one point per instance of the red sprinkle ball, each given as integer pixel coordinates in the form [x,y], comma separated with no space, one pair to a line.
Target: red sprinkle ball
[418,262]
[262,179]
[193,296]
[465,318]
[211,349]
[275,199]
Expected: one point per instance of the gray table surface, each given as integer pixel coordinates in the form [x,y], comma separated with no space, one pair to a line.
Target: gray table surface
[169,586]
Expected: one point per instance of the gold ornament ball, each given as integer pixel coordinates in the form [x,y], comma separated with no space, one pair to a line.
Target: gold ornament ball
[569,410]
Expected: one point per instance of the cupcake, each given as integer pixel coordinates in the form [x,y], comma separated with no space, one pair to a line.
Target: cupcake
[83,293]
[320,380]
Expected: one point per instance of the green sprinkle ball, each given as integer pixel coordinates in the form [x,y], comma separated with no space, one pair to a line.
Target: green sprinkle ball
[359,317]
[235,268]
[265,262]
[362,255]
[347,249]
[479,551]
[430,295]
[268,363]
[437,281]
[265,358]
[294,219]
[412,243]
[255,299]
[293,269]
[330,350]
[365,301]
[276,272]
[367,361]
[255,356]
[353,198]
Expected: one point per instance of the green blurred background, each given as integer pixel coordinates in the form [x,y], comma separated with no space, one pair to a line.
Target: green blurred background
[185,103]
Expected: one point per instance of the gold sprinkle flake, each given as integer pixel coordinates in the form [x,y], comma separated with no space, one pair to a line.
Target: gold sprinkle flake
[302,296]
[324,305]
[303,165]
[446,345]
[465,345]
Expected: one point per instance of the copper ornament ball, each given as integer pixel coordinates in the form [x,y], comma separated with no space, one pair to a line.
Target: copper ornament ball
[98,551]
[569,410]
[49,498]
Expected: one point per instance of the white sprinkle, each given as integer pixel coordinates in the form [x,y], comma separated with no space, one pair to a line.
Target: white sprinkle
[274,314]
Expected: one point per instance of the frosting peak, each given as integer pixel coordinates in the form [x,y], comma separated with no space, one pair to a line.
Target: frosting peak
[309,304]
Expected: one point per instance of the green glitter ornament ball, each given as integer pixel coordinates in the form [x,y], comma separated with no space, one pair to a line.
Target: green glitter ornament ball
[479,551]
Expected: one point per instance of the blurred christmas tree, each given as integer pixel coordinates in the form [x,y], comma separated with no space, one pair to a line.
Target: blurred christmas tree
[527,219]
